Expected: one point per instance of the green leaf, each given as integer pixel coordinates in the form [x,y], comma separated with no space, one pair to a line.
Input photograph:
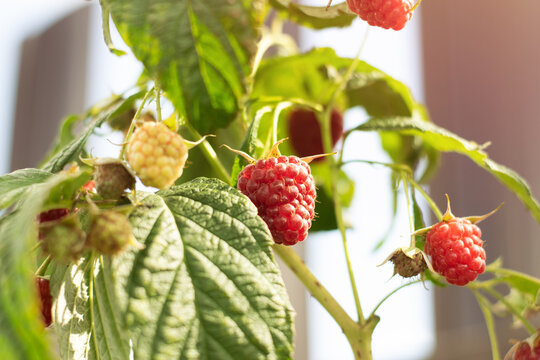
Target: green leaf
[313,77]
[65,136]
[88,322]
[445,141]
[214,291]
[14,185]
[74,148]
[204,287]
[20,317]
[317,17]
[199,52]
[522,282]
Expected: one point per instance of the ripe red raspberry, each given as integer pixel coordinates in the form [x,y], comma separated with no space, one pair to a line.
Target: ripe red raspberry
[283,190]
[305,131]
[528,349]
[456,250]
[44,291]
[388,14]
[52,215]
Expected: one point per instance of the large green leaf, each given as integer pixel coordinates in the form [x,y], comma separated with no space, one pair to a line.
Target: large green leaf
[313,77]
[204,287]
[317,17]
[445,141]
[198,51]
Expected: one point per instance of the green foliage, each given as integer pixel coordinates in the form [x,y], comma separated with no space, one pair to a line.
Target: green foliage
[205,286]
[317,17]
[204,283]
[14,185]
[19,312]
[445,141]
[197,51]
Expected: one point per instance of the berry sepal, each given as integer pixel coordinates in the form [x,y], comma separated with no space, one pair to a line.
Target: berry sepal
[448,215]
[408,262]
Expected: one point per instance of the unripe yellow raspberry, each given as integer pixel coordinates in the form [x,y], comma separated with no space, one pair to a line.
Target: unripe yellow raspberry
[157,154]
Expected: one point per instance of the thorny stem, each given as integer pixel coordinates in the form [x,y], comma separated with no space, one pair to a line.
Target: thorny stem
[334,173]
[211,155]
[134,121]
[489,324]
[358,335]
[409,208]
[390,294]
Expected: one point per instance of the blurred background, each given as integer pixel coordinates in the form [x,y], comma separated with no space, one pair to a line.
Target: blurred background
[476,68]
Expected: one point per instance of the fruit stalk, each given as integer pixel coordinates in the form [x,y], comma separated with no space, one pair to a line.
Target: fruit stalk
[133,122]
[326,136]
[359,336]
[210,155]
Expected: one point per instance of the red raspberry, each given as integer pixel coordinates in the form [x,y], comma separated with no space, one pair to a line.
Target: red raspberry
[456,250]
[528,349]
[44,290]
[283,190]
[305,131]
[388,14]
[52,215]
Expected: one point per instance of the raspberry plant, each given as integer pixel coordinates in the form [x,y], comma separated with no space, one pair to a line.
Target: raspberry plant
[188,271]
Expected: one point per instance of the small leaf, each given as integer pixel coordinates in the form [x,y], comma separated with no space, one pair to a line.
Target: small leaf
[74,148]
[14,185]
[317,17]
[445,141]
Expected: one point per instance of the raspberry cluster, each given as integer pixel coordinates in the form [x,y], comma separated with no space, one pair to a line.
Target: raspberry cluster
[283,190]
[157,154]
[388,14]
[456,252]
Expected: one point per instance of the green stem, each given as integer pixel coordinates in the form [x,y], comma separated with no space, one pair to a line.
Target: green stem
[359,336]
[44,266]
[489,323]
[409,208]
[93,260]
[210,155]
[429,200]
[512,308]
[133,122]
[390,294]
[158,103]
[334,174]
